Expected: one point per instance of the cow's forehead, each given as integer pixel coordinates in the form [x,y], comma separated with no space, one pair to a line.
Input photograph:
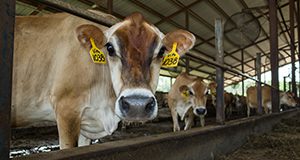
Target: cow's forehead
[130,25]
[199,85]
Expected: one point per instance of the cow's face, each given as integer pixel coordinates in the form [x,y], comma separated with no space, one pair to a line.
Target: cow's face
[134,50]
[196,95]
[287,98]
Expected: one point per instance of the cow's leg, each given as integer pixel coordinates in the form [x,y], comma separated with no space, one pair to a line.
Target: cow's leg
[83,141]
[68,122]
[176,126]
[189,120]
[248,110]
[202,121]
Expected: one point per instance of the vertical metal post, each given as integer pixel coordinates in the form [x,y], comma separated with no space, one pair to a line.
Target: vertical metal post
[110,6]
[258,84]
[243,71]
[220,111]
[274,54]
[7,13]
[298,31]
[292,45]
[187,65]
[284,83]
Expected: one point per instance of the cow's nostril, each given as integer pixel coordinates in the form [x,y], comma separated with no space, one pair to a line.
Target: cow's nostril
[200,111]
[150,105]
[124,105]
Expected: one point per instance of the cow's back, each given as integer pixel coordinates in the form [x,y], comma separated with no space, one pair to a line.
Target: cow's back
[252,96]
[48,63]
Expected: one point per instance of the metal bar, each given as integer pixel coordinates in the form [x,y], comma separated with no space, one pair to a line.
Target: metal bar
[110,6]
[298,33]
[63,6]
[140,4]
[269,64]
[7,23]
[187,26]
[250,45]
[206,24]
[187,65]
[292,45]
[285,46]
[177,12]
[220,117]
[243,71]
[274,54]
[283,21]
[284,83]
[258,83]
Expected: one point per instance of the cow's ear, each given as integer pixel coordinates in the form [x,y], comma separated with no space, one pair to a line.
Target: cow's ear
[185,41]
[212,85]
[185,91]
[87,31]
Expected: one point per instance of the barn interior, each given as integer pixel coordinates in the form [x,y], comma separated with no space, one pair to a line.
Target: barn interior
[251,45]
[246,30]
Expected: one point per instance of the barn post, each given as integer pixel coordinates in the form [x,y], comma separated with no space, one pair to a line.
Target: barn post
[243,71]
[7,13]
[274,54]
[220,111]
[298,33]
[292,44]
[110,6]
[258,82]
[284,83]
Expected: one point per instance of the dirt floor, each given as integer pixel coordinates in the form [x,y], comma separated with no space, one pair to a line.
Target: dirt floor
[44,139]
[283,143]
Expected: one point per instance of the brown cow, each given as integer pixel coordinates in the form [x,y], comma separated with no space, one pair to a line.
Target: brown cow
[187,98]
[229,100]
[54,78]
[285,98]
[240,104]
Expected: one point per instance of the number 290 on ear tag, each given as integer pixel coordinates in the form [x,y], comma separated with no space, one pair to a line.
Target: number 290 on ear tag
[172,58]
[96,54]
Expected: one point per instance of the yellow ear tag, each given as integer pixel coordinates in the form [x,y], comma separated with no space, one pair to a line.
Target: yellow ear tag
[185,94]
[172,58]
[96,54]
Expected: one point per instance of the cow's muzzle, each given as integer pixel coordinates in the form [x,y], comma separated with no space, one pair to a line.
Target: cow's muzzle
[137,105]
[200,111]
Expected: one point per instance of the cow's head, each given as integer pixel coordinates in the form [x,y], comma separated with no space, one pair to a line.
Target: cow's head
[196,95]
[134,49]
[287,98]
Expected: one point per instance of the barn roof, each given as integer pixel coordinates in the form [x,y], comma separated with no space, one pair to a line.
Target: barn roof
[246,28]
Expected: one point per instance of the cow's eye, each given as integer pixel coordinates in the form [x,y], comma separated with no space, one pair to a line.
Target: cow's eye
[161,52]
[206,93]
[191,93]
[110,49]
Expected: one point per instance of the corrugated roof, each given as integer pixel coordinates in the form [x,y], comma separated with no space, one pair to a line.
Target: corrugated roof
[169,15]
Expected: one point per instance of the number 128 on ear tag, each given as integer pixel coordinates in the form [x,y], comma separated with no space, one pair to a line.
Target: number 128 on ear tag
[172,58]
[96,54]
